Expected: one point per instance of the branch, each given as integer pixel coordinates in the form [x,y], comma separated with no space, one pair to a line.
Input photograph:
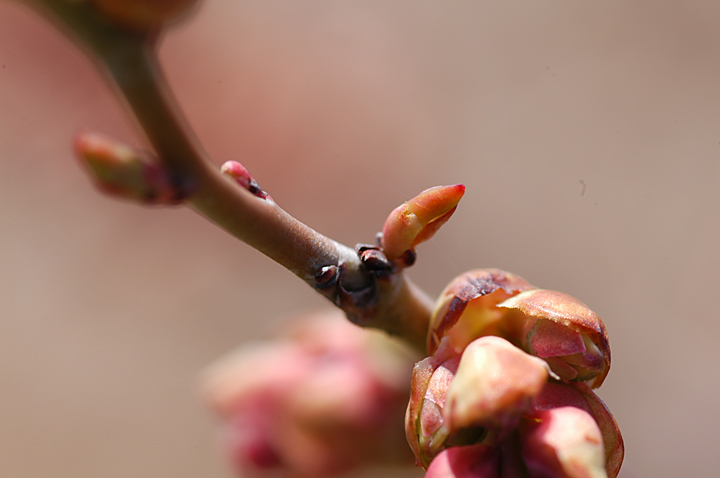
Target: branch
[371,289]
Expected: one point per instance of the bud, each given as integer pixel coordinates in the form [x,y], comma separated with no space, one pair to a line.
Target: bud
[494,385]
[425,426]
[567,432]
[563,442]
[125,172]
[477,461]
[467,308]
[565,332]
[554,326]
[143,14]
[240,174]
[419,219]
[498,412]
[323,399]
[476,397]
[579,395]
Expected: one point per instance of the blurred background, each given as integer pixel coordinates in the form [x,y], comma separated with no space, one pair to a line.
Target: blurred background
[587,133]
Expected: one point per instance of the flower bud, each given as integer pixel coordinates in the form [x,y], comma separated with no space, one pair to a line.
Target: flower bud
[565,332]
[419,219]
[240,174]
[580,395]
[478,396]
[563,442]
[325,398]
[497,403]
[556,327]
[494,385]
[125,172]
[477,461]
[424,420]
[467,308]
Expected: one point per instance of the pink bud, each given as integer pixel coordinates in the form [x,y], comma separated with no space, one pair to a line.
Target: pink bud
[242,176]
[565,332]
[551,325]
[580,395]
[494,385]
[467,308]
[418,219]
[424,420]
[563,442]
[325,398]
[124,172]
[477,461]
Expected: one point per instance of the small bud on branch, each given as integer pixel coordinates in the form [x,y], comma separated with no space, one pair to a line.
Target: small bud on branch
[242,176]
[125,172]
[418,220]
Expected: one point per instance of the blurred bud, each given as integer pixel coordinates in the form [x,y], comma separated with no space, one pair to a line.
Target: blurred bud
[494,385]
[124,172]
[563,442]
[242,176]
[419,219]
[477,461]
[143,14]
[551,325]
[327,397]
[565,332]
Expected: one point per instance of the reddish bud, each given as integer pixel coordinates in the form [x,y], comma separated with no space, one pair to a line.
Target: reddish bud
[563,442]
[565,332]
[323,399]
[242,176]
[125,172]
[425,426]
[554,326]
[467,308]
[580,395]
[477,461]
[497,404]
[494,385]
[419,219]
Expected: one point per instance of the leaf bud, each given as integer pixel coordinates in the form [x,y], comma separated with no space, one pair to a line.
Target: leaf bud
[419,219]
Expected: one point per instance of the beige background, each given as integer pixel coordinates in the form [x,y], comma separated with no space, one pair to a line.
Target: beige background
[587,133]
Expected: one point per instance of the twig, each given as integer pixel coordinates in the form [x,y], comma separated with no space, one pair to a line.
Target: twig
[380,299]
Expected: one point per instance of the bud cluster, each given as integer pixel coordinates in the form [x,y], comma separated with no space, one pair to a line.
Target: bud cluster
[506,391]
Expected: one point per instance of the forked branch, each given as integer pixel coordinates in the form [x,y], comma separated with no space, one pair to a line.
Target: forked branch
[369,287]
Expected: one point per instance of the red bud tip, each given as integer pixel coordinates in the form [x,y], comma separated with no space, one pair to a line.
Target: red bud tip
[242,176]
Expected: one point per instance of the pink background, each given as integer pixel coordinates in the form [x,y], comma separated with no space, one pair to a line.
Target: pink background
[587,133]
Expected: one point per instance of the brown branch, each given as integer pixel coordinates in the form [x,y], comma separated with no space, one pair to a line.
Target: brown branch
[382,299]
